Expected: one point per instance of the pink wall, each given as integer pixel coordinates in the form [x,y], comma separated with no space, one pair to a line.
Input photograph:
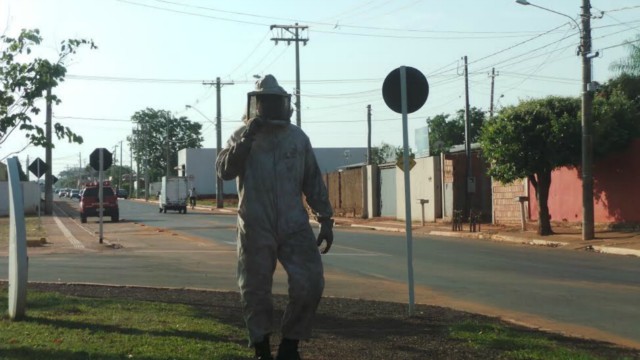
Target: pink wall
[616,190]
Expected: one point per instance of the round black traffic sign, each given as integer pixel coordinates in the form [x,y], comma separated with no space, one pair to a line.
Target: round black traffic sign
[417,90]
[94,159]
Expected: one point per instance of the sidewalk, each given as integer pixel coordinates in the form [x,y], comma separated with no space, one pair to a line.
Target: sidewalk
[619,242]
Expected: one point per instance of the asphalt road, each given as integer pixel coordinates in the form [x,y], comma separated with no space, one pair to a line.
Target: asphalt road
[590,294]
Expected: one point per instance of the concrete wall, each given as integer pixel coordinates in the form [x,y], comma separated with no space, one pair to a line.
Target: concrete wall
[425,181]
[30,194]
[506,210]
[616,190]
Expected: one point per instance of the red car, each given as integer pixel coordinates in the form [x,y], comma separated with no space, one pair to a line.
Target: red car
[89,202]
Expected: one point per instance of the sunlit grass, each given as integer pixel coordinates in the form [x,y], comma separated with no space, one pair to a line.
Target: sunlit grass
[514,344]
[67,327]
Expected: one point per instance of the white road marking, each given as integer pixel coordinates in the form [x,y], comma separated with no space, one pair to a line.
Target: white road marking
[72,239]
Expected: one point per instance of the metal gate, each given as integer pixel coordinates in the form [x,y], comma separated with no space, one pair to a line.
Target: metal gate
[448,200]
[388,191]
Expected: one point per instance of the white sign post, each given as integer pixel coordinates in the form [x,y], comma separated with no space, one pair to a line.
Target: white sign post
[405,90]
[17,245]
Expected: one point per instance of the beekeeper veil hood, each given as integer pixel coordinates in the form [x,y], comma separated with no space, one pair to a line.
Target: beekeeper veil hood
[269,101]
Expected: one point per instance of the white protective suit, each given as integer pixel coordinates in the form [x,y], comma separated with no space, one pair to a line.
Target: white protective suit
[273,172]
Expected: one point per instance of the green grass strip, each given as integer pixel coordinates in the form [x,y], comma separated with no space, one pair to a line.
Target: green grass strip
[67,327]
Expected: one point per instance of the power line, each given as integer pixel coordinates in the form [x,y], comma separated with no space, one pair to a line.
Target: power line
[326,23]
[622,9]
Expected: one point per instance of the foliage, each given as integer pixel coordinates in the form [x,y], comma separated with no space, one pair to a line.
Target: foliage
[531,140]
[535,135]
[399,152]
[157,128]
[616,122]
[629,85]
[445,132]
[631,64]
[25,81]
[384,153]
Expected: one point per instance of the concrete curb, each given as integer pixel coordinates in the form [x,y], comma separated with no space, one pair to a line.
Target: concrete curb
[506,238]
[378,228]
[615,250]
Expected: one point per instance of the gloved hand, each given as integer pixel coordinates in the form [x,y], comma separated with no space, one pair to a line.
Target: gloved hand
[325,234]
[253,126]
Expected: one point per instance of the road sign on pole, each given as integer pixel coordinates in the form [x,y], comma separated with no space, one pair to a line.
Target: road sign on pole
[405,90]
[38,167]
[94,159]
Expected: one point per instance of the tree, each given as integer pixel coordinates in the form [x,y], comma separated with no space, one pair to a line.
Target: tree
[445,133]
[383,153]
[631,64]
[530,140]
[157,128]
[24,82]
[616,122]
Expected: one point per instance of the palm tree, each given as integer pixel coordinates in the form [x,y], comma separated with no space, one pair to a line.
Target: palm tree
[631,64]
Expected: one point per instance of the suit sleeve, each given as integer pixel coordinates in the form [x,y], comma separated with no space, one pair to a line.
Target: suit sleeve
[313,186]
[230,162]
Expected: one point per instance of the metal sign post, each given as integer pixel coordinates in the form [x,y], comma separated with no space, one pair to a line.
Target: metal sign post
[405,90]
[38,168]
[101,179]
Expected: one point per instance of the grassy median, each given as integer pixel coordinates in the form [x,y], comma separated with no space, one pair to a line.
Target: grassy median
[68,327]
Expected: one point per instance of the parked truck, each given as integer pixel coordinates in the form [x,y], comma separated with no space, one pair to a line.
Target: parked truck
[174,194]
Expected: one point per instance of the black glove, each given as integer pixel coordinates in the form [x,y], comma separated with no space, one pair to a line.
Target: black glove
[252,128]
[325,234]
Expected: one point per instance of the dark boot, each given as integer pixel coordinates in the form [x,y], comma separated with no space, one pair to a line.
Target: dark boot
[288,350]
[263,349]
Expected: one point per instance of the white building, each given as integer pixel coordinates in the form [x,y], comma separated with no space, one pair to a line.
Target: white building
[200,166]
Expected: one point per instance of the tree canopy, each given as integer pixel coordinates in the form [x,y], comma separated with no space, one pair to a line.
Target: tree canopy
[531,139]
[631,64]
[24,81]
[445,132]
[154,130]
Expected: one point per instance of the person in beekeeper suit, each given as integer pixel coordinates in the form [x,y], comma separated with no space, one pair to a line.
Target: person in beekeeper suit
[275,166]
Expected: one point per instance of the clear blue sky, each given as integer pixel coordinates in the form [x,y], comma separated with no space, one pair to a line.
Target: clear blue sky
[156,54]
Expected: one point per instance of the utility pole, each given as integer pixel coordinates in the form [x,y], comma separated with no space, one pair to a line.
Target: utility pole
[120,168]
[48,183]
[219,182]
[369,134]
[467,139]
[493,77]
[295,31]
[166,134]
[131,170]
[587,125]
[138,157]
[80,169]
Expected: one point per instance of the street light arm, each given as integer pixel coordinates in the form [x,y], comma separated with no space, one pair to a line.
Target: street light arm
[199,112]
[524,2]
